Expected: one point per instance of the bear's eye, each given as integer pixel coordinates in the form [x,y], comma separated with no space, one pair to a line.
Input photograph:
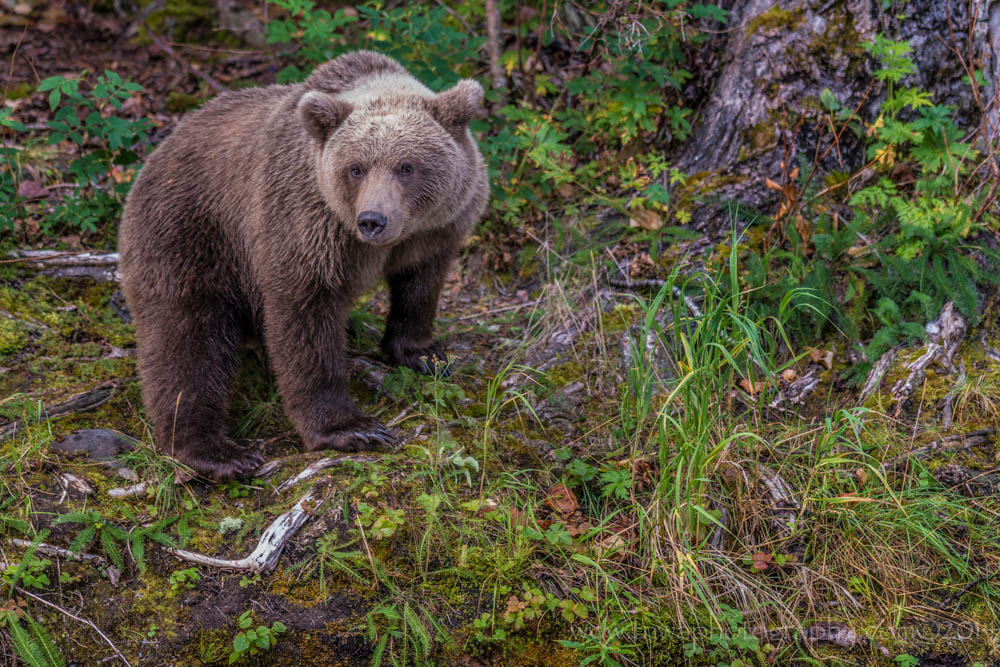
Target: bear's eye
[356,171]
[406,169]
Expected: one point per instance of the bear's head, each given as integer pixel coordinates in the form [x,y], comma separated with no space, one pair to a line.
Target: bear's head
[394,164]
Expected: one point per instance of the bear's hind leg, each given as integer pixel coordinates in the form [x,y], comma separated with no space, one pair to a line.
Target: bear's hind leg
[187,363]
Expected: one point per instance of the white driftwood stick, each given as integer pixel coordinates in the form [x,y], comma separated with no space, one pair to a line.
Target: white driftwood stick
[265,556]
[878,371]
[315,467]
[126,491]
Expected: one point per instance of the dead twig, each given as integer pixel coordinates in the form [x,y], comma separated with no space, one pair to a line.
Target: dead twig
[127,491]
[79,619]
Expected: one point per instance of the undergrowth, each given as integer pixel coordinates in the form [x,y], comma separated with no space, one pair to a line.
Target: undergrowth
[689,517]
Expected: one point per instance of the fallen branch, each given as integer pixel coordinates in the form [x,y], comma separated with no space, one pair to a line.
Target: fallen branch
[987,350]
[951,442]
[265,556]
[877,372]
[57,552]
[947,412]
[102,267]
[84,402]
[796,391]
[316,466]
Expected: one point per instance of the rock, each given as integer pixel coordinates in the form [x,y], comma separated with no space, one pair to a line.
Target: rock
[97,444]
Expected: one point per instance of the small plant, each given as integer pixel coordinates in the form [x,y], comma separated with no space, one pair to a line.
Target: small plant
[185,579]
[380,526]
[332,557]
[234,489]
[729,646]
[252,641]
[31,571]
[113,538]
[917,233]
[406,635]
[32,644]
[246,581]
[106,144]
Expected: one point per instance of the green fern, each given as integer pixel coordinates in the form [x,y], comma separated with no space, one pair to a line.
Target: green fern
[33,645]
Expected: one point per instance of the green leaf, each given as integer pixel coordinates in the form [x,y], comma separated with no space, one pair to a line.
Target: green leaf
[829,100]
[241,643]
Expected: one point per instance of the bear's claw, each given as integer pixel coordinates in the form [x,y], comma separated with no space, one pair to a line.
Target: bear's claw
[223,462]
[353,438]
[428,359]
[379,435]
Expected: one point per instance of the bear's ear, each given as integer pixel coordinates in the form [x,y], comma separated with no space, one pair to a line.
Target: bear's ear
[322,113]
[458,105]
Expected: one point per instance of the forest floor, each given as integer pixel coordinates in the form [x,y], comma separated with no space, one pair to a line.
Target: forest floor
[523,517]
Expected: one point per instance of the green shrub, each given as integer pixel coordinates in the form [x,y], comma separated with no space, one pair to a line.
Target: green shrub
[85,114]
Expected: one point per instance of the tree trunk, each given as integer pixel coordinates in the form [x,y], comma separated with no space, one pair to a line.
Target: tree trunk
[764,114]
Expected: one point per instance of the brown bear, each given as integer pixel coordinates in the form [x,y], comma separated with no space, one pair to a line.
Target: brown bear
[264,215]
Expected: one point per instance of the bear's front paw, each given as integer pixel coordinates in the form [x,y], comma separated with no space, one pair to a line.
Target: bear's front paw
[221,461]
[361,434]
[428,359]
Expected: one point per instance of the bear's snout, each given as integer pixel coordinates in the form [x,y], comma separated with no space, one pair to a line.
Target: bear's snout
[371,224]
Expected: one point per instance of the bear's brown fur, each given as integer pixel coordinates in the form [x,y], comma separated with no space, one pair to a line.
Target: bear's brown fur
[265,214]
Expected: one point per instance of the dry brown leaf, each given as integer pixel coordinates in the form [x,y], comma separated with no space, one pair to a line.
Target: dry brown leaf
[771,185]
[561,500]
[761,561]
[824,357]
[515,604]
[789,374]
[577,524]
[32,190]
[752,387]
[646,219]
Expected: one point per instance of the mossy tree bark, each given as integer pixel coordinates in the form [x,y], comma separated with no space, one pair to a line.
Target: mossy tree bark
[764,109]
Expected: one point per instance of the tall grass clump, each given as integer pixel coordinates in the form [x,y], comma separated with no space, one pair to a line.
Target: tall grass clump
[723,362]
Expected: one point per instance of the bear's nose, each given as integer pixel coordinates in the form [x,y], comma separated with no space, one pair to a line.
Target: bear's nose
[371,224]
